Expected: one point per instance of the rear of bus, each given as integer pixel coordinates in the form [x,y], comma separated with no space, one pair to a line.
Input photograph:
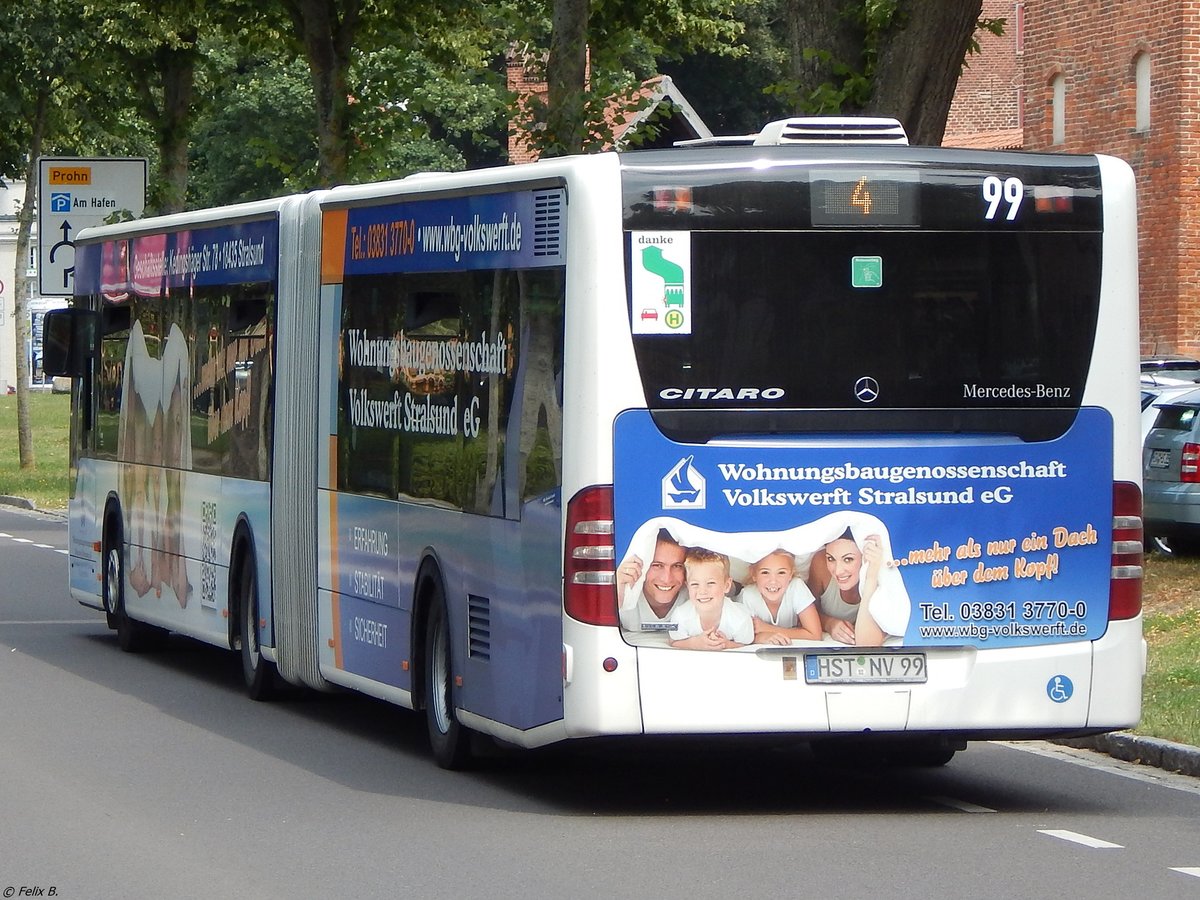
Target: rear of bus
[921,356]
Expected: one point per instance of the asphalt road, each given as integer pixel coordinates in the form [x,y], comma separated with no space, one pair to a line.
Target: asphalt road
[153,776]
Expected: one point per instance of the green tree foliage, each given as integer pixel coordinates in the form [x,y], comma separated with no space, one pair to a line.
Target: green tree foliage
[624,42]
[40,82]
[156,46]
[731,92]
[256,139]
[241,99]
[430,100]
[898,58]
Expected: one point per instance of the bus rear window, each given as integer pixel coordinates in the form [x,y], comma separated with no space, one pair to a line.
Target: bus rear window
[883,330]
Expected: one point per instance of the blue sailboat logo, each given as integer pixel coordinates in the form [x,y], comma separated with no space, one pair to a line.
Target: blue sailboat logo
[683,486]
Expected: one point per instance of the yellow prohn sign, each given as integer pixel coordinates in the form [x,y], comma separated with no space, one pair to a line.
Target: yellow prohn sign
[70,175]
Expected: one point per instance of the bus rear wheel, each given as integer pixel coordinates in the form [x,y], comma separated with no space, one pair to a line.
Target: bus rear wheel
[922,753]
[449,740]
[915,752]
[257,672]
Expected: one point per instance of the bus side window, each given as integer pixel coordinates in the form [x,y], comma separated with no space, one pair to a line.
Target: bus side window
[541,407]
[115,322]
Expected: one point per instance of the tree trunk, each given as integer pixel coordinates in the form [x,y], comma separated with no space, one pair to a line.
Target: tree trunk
[821,25]
[20,282]
[177,68]
[920,59]
[566,78]
[328,43]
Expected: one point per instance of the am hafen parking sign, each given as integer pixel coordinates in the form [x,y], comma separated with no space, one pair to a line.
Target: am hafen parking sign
[76,193]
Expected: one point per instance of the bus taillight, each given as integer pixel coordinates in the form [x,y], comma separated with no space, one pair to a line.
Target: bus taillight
[589,573]
[1125,588]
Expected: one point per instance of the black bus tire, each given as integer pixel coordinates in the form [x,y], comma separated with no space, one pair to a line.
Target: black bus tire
[132,636]
[258,673]
[448,738]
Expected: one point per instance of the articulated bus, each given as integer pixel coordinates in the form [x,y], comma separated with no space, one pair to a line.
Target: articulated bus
[806,434]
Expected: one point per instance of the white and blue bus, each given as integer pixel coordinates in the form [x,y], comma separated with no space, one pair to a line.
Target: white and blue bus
[516,446]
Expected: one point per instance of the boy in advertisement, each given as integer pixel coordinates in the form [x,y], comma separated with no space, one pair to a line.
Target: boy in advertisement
[710,621]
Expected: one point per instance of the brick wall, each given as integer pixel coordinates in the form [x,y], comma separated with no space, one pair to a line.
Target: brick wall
[986,109]
[524,79]
[1093,45]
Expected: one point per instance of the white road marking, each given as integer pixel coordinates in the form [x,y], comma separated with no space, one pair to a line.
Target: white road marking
[962,805]
[21,540]
[1188,870]
[51,621]
[1076,838]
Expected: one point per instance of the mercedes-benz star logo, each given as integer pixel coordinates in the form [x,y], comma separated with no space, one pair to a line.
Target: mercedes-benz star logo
[866,389]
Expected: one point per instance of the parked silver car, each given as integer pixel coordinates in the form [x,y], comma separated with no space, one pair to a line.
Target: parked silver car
[1171,474]
[1154,396]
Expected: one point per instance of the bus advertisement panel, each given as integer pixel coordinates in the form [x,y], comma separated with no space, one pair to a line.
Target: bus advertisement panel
[987,544]
[447,316]
[183,386]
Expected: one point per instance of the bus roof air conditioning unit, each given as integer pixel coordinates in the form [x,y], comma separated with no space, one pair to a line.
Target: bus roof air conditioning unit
[832,130]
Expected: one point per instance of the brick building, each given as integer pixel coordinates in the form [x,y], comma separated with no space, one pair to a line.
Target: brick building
[1106,76]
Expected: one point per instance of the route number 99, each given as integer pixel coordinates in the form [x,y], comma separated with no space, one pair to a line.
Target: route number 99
[996,192]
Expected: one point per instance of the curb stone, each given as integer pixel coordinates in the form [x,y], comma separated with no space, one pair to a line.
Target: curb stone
[1148,751]
[27,506]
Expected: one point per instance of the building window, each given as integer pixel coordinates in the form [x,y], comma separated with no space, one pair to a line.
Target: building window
[1058,87]
[1141,80]
[1019,27]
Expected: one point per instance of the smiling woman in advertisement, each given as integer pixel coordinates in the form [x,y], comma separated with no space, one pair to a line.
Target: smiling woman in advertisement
[851,577]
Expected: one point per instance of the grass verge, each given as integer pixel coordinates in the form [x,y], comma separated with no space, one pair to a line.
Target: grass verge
[1171,613]
[1171,693]
[48,482]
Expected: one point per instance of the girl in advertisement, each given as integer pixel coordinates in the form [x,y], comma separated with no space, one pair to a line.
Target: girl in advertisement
[781,603]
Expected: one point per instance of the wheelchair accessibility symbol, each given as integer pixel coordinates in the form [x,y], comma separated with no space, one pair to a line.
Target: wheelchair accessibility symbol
[1059,689]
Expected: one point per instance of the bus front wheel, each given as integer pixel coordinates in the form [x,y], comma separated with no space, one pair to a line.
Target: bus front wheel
[132,636]
[449,740]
